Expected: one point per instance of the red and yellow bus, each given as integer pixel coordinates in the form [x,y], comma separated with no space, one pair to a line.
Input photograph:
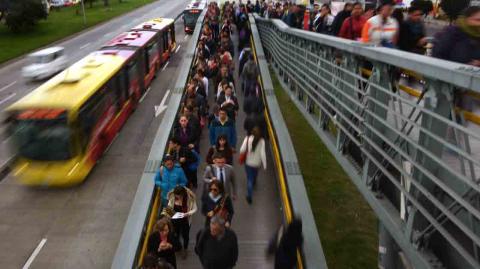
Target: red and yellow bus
[62,128]
[153,42]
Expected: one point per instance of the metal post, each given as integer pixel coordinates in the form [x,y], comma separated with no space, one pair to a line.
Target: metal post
[84,16]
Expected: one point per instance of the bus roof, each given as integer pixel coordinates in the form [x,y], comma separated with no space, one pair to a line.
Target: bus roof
[156,25]
[120,52]
[133,38]
[72,87]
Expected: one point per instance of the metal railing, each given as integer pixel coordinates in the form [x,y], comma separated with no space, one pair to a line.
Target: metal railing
[413,155]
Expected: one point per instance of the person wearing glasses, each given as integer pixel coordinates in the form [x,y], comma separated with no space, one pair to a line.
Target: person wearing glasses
[216,202]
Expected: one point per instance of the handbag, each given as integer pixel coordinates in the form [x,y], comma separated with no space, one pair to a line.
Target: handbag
[243,156]
[221,211]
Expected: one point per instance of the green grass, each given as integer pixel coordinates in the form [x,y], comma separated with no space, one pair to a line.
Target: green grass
[347,225]
[59,24]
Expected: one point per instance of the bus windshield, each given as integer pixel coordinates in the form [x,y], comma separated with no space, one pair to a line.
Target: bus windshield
[42,140]
[190,16]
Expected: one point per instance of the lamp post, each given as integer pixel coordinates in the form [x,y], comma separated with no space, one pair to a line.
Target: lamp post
[84,16]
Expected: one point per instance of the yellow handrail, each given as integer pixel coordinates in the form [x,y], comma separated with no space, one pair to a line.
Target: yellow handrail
[151,223]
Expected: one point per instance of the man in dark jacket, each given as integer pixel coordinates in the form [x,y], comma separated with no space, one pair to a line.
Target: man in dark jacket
[217,246]
[223,125]
[412,32]
[341,16]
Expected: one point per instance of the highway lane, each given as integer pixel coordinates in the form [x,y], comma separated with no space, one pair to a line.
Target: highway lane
[13,86]
[82,225]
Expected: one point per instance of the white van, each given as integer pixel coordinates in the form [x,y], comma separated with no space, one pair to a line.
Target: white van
[45,63]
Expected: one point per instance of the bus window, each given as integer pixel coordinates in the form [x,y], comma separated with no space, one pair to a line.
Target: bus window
[172,33]
[165,40]
[152,50]
[115,85]
[132,76]
[161,44]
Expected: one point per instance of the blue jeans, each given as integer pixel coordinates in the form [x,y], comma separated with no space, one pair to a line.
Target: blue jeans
[252,173]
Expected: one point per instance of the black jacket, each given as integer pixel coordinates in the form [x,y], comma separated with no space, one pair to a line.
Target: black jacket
[169,254]
[214,253]
[208,205]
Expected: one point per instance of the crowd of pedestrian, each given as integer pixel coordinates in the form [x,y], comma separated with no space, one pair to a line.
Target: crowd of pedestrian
[385,26]
[210,108]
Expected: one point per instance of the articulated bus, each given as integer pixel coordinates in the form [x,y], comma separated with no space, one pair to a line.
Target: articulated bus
[191,14]
[62,128]
[153,42]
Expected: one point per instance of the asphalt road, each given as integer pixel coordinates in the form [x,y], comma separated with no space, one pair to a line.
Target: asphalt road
[13,86]
[79,227]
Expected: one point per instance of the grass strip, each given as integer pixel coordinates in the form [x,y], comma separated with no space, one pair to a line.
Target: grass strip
[60,24]
[346,223]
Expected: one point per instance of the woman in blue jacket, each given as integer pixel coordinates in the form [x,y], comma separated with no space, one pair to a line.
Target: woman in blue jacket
[169,176]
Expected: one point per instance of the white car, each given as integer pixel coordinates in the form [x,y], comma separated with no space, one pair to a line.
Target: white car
[45,63]
[57,3]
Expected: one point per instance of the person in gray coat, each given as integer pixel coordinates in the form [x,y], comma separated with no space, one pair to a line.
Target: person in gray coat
[223,172]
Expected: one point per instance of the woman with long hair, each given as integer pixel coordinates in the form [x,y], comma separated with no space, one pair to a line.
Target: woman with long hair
[221,147]
[216,202]
[253,147]
[162,243]
[183,202]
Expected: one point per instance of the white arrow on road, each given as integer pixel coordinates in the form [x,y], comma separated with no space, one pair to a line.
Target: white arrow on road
[159,109]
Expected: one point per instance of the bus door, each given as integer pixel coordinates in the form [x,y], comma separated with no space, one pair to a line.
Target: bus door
[151,61]
[132,82]
[166,46]
[172,36]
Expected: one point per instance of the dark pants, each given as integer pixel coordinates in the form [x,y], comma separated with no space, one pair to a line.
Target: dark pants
[191,177]
[182,229]
[252,173]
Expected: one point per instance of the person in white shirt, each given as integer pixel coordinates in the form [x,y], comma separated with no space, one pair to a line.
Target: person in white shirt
[254,147]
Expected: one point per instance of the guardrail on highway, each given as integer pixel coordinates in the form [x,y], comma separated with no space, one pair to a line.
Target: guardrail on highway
[414,159]
[129,248]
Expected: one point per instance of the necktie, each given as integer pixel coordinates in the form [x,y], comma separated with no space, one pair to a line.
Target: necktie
[222,178]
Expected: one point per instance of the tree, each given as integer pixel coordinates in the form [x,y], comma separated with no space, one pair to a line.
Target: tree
[25,14]
[4,6]
[453,8]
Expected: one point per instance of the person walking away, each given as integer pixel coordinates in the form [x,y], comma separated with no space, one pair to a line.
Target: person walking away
[183,202]
[352,26]
[216,202]
[162,242]
[284,245]
[223,125]
[249,75]
[217,246]
[254,149]
[382,29]
[223,172]
[168,177]
[340,18]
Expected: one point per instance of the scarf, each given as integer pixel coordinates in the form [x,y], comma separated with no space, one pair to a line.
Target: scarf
[472,31]
[215,199]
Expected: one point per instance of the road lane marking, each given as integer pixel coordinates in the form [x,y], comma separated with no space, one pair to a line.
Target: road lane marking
[160,108]
[84,46]
[35,253]
[165,66]
[145,94]
[178,48]
[7,86]
[8,98]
